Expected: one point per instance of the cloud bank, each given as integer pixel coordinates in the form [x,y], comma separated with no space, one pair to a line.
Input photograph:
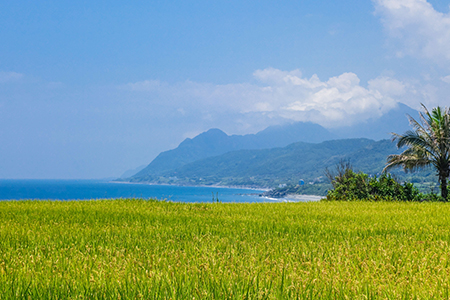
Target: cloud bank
[73,130]
[417,27]
[281,95]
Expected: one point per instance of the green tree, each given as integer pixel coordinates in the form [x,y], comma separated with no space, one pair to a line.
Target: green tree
[428,144]
[352,186]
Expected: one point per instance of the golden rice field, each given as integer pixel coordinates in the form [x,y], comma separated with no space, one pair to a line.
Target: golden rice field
[131,249]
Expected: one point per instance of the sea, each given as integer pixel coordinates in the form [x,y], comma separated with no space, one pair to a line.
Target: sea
[103,189]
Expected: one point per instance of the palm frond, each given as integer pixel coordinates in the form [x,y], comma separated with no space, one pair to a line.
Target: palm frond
[413,139]
[409,163]
[428,143]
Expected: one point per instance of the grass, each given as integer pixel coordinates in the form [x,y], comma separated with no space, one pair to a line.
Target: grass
[129,249]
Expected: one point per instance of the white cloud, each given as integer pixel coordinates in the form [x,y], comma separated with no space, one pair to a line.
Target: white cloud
[420,29]
[9,76]
[387,86]
[341,101]
[280,95]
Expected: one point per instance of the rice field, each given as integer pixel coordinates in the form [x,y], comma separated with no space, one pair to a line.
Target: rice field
[131,249]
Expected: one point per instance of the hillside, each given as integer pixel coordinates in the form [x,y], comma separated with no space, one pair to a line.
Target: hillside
[394,120]
[215,142]
[270,167]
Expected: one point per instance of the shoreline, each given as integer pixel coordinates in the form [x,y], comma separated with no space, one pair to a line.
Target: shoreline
[303,198]
[199,185]
[287,198]
[296,198]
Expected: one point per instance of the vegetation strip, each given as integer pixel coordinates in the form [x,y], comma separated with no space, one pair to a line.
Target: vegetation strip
[151,249]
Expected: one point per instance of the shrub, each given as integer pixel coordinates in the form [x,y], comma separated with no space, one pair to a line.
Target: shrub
[350,186]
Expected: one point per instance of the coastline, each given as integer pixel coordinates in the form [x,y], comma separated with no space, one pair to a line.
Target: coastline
[105,189]
[303,198]
[296,198]
[198,185]
[287,198]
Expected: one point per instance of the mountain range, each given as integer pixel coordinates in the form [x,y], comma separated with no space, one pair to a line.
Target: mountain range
[270,167]
[277,154]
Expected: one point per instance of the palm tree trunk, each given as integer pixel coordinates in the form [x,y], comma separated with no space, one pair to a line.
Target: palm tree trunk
[443,181]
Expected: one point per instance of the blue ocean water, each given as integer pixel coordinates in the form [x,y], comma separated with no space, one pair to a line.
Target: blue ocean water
[98,189]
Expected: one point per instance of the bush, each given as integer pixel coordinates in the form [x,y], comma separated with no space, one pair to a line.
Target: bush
[350,186]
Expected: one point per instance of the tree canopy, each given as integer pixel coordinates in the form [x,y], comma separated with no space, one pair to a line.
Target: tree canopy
[427,145]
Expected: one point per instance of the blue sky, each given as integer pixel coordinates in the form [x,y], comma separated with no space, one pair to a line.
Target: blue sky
[89,89]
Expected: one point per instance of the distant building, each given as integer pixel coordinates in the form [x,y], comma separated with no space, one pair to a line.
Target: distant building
[282,185]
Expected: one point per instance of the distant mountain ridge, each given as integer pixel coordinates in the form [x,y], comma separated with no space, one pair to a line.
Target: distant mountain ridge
[269,167]
[191,153]
[216,142]
[394,120]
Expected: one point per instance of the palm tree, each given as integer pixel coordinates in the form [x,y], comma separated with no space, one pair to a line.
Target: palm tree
[428,144]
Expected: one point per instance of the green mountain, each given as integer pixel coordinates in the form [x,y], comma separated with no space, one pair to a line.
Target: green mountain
[216,142]
[270,167]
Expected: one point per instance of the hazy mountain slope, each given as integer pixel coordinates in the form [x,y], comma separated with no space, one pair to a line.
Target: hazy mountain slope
[393,121]
[215,142]
[268,167]
[291,160]
[283,135]
[210,143]
[131,172]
